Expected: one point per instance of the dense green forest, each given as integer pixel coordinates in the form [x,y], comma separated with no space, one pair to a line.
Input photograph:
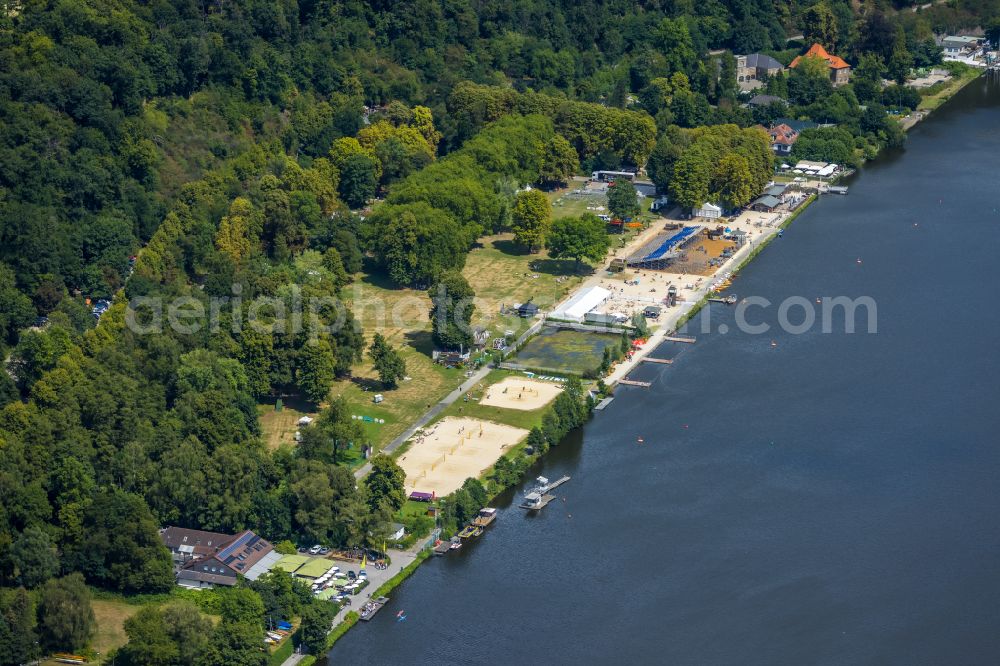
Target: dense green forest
[228,151]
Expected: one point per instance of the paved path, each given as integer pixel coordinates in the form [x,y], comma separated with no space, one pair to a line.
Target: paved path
[428,416]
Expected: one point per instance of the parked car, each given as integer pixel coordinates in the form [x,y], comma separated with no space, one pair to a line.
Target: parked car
[324,550]
[352,575]
[315,549]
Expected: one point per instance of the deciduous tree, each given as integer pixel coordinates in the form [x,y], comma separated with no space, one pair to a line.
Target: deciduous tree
[532,216]
[386,483]
[623,200]
[389,365]
[581,237]
[451,311]
[65,617]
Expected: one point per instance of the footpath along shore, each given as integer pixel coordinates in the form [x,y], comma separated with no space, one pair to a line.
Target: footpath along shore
[694,300]
[697,297]
[770,226]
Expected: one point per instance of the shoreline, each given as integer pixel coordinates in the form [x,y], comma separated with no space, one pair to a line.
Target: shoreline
[669,327]
[343,619]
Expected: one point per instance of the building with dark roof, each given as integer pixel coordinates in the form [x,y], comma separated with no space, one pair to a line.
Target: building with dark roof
[764,100]
[527,310]
[765,203]
[754,68]
[206,559]
[797,125]
[185,544]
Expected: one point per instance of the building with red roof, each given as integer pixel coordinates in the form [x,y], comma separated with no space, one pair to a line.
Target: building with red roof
[840,71]
[783,138]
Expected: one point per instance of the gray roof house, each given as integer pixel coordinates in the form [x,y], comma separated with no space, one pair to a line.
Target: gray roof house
[244,554]
[753,68]
[764,100]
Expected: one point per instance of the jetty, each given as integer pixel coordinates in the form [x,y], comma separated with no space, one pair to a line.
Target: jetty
[633,382]
[650,359]
[555,484]
[604,403]
[540,496]
[442,547]
[368,611]
[680,338]
[728,300]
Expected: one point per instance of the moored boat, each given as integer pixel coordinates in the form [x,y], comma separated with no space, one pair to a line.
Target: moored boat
[485,518]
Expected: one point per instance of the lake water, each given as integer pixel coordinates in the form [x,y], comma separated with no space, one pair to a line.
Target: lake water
[829,499]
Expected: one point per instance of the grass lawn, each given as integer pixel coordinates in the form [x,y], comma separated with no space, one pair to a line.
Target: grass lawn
[498,270]
[518,418]
[278,427]
[401,315]
[111,616]
[411,509]
[938,94]
[574,206]
[501,272]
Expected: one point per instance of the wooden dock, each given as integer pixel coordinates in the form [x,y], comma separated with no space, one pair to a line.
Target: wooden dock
[555,484]
[633,382]
[442,548]
[679,338]
[369,609]
[603,403]
[650,359]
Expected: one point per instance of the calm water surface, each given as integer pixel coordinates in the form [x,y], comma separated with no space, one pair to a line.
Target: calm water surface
[832,499]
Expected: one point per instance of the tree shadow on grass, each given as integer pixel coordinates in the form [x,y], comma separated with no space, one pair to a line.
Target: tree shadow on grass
[367,384]
[421,341]
[380,280]
[509,247]
[561,267]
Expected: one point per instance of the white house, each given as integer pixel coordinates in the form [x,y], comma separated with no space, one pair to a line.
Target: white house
[708,210]
[959,44]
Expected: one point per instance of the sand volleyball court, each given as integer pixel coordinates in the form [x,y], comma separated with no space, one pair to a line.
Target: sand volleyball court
[447,453]
[520,393]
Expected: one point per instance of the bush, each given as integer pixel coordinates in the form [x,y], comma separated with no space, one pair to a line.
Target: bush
[350,619]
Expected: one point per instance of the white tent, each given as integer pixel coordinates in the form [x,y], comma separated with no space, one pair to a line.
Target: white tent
[708,210]
[582,303]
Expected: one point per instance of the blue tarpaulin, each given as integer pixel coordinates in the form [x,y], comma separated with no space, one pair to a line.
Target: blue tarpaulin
[670,243]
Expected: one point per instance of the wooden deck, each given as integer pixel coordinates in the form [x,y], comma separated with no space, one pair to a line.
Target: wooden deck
[633,382]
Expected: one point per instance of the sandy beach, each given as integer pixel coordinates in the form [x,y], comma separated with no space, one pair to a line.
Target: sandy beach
[453,449]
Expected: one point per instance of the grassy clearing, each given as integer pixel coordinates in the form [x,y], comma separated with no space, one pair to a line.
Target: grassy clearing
[497,270]
[278,427]
[110,615]
[501,272]
[518,418]
[938,94]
